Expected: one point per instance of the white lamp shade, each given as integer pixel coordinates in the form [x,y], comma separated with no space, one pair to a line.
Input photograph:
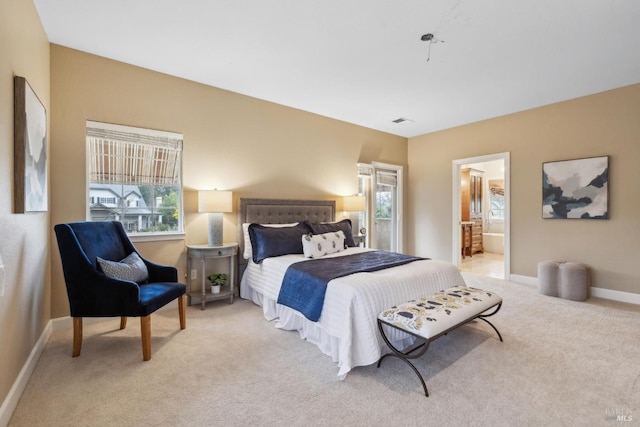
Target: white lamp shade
[215,201]
[354,203]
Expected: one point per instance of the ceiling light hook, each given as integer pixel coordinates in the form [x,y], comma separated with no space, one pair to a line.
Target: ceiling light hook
[429,37]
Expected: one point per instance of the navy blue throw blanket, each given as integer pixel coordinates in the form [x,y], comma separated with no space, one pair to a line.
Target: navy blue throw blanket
[305,283]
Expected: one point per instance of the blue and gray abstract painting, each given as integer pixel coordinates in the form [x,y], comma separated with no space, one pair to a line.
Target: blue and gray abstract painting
[576,188]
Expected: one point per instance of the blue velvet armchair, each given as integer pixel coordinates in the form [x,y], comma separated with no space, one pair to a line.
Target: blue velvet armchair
[84,247]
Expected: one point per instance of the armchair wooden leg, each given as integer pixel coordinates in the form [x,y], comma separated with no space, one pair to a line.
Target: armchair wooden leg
[77,336]
[145,327]
[123,322]
[181,310]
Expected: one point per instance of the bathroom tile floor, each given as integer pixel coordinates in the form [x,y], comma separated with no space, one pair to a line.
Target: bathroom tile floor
[486,264]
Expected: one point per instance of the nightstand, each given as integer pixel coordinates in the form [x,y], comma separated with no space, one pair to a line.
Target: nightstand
[201,253]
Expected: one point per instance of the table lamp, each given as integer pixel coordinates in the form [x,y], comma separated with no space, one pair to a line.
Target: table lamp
[353,203]
[215,203]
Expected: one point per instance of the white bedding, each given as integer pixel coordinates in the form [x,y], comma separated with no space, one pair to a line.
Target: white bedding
[347,329]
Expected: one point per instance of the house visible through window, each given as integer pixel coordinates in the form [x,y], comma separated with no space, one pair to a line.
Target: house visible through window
[135,177]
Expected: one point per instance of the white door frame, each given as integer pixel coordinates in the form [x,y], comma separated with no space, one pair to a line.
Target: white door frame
[457,209]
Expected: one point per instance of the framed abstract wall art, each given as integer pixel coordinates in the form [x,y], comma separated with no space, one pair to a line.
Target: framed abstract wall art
[30,150]
[576,188]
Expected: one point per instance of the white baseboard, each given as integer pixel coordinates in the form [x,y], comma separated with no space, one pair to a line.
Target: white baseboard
[628,297]
[610,294]
[524,280]
[11,401]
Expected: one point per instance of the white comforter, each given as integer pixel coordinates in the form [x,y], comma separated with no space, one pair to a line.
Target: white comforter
[347,329]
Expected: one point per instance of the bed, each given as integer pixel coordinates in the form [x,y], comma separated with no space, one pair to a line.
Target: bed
[346,329]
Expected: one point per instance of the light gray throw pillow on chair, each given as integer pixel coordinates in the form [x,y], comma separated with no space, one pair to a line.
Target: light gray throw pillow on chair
[130,268]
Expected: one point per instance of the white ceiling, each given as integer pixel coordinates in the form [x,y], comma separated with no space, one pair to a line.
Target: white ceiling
[362,61]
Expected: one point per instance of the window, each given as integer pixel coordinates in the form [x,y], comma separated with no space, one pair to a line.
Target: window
[135,178]
[496,200]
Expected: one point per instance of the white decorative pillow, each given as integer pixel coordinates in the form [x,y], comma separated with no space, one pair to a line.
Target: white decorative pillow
[248,251]
[130,268]
[325,227]
[319,245]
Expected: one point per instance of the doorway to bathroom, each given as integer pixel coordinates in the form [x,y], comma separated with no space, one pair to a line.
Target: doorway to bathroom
[481,215]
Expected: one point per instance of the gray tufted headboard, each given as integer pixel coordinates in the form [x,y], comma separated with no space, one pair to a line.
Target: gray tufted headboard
[281,211]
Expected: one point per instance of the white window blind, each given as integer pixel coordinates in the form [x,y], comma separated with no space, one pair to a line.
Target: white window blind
[133,156]
[364,170]
[389,178]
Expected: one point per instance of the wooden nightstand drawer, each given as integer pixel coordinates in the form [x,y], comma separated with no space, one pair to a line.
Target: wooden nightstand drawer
[214,252]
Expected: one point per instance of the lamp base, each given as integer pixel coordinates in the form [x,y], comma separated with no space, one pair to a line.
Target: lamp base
[215,229]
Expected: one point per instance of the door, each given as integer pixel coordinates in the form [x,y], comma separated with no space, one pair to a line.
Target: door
[381,183]
[458,166]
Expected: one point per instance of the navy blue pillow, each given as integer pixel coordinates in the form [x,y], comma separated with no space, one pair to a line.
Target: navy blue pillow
[344,225]
[275,241]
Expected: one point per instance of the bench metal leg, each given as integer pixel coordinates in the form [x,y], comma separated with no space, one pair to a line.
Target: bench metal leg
[412,353]
[482,317]
[404,359]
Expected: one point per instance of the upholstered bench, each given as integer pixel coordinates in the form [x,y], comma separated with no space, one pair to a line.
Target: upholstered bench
[430,317]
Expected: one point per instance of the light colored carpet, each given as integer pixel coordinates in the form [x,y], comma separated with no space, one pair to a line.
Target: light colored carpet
[562,363]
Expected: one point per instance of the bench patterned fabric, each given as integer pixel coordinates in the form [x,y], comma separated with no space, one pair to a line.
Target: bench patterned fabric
[434,314]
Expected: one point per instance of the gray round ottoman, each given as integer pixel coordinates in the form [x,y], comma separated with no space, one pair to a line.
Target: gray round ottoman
[548,278]
[574,281]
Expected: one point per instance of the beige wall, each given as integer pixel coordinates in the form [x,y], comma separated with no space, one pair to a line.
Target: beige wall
[597,125]
[24,238]
[231,142]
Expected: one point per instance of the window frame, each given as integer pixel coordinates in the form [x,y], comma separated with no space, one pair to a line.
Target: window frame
[179,233]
